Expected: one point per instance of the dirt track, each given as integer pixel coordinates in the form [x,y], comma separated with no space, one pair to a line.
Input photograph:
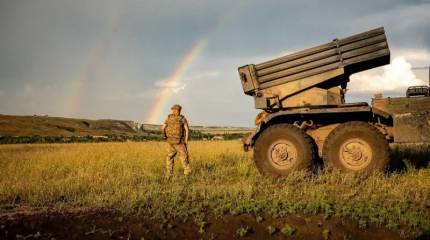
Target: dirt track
[112,225]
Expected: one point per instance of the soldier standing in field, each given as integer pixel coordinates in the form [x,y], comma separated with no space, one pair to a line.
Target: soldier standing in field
[176,131]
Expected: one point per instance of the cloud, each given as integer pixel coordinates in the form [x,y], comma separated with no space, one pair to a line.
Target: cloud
[415,56]
[48,43]
[167,83]
[395,77]
[177,86]
[406,24]
[129,96]
[178,89]
[202,75]
[174,86]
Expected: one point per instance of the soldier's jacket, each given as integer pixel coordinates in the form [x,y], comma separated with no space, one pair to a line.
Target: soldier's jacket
[175,128]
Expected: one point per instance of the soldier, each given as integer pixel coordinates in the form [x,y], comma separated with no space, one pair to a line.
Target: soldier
[176,131]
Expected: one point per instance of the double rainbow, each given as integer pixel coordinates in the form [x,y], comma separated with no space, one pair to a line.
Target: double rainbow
[93,60]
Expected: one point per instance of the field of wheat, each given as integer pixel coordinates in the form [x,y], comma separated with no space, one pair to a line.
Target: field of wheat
[129,177]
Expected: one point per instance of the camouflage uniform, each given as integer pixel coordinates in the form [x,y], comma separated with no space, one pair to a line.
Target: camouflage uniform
[175,133]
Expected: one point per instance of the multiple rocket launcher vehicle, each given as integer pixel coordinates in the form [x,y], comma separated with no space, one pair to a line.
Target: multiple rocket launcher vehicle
[305,115]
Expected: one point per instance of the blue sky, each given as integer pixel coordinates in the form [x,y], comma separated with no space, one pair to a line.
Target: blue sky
[107,59]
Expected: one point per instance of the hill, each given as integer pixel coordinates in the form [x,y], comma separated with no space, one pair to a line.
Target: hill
[59,126]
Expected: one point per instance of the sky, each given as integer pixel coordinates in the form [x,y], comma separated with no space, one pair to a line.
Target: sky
[132,60]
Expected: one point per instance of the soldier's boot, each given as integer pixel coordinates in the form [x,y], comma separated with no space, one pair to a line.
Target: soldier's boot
[183,156]
[187,170]
[186,165]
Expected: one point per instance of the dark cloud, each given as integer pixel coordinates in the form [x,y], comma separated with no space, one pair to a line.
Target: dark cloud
[49,45]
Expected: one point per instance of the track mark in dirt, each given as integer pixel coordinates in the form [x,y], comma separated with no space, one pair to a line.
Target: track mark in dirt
[106,224]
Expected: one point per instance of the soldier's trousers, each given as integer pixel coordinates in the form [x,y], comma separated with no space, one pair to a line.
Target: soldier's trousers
[179,150]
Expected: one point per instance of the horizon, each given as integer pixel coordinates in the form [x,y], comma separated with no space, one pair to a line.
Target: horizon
[125,120]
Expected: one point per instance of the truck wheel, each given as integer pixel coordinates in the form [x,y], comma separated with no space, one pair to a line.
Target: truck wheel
[282,149]
[356,147]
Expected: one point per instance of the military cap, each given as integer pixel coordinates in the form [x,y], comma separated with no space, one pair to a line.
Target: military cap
[176,106]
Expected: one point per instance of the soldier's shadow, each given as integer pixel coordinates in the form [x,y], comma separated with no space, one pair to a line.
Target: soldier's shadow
[403,158]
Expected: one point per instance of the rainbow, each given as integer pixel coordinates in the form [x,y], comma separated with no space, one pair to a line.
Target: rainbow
[165,93]
[91,64]
[89,68]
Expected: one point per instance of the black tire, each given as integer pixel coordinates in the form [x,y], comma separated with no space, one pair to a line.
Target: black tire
[283,148]
[356,147]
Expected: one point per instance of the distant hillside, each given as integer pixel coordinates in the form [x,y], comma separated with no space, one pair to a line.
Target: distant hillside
[58,126]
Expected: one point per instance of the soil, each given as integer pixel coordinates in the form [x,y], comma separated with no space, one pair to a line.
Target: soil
[108,224]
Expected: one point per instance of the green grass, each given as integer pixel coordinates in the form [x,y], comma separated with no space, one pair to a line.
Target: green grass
[129,177]
[287,230]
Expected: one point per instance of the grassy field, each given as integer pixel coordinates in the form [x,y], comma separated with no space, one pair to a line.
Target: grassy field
[129,177]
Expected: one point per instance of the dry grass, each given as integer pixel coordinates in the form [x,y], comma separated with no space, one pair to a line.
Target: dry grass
[130,177]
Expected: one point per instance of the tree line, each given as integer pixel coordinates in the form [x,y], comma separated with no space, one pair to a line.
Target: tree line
[153,136]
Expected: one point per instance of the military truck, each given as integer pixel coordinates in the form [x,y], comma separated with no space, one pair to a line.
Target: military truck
[305,116]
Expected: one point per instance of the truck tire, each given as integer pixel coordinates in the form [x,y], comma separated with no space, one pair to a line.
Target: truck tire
[282,149]
[356,147]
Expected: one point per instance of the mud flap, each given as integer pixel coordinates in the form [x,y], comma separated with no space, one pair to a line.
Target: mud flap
[249,140]
[412,127]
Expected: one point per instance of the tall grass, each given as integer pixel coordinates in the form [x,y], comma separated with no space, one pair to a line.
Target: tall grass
[129,177]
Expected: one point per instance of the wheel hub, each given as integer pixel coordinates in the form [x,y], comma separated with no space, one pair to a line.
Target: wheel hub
[355,154]
[282,154]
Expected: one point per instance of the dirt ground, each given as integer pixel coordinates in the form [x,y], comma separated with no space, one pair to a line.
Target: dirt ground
[106,224]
